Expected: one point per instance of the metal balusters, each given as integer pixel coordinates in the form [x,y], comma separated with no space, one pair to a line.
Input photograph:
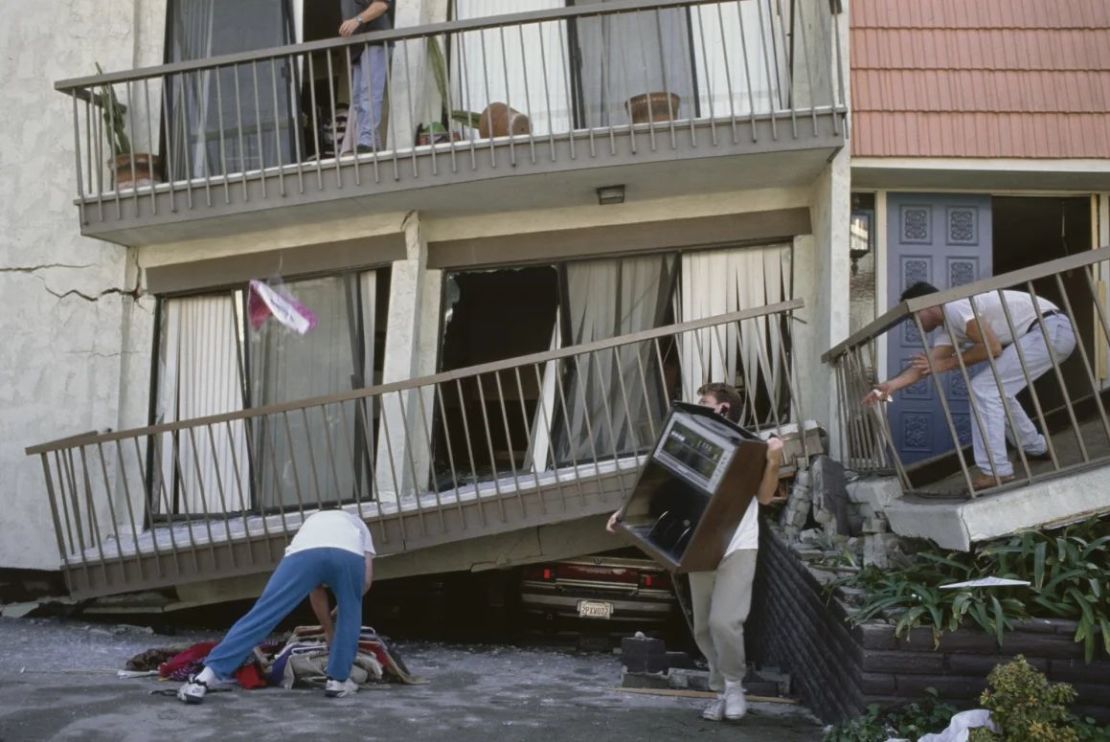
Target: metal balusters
[1032,388]
[239,133]
[807,53]
[294,124]
[943,402]
[975,412]
[1058,373]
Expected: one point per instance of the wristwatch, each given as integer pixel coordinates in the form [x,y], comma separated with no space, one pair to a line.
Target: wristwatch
[358,19]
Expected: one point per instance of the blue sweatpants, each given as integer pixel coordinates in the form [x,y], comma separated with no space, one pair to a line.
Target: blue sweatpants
[295,577]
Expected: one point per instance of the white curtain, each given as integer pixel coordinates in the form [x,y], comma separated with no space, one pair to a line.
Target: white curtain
[605,391]
[199,376]
[738,52]
[747,354]
[544,418]
[628,54]
[523,66]
[305,457]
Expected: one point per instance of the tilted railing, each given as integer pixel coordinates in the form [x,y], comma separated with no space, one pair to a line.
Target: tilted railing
[1068,399]
[540,438]
[621,77]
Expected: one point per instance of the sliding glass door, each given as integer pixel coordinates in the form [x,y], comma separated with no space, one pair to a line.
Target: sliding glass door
[238,118]
[210,361]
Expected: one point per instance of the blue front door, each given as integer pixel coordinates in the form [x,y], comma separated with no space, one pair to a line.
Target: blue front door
[945,240]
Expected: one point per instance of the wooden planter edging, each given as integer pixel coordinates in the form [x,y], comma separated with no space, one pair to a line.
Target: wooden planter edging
[839,670]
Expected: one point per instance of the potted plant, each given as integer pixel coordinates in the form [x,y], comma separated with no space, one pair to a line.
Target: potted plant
[129,169]
[496,120]
[649,107]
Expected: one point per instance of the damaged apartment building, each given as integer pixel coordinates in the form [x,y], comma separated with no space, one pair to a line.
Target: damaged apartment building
[578,212]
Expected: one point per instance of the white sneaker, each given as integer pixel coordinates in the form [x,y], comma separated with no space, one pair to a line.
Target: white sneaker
[340,688]
[736,705]
[192,690]
[715,711]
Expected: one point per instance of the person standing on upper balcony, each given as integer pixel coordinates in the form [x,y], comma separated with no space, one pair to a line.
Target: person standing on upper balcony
[370,65]
[990,337]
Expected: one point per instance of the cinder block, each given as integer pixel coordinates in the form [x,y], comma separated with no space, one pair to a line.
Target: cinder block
[877,493]
[920,663]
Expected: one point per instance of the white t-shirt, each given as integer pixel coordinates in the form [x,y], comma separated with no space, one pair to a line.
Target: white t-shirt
[747,530]
[989,305]
[333,529]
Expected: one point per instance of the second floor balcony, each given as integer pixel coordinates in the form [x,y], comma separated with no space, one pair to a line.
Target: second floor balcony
[532,109]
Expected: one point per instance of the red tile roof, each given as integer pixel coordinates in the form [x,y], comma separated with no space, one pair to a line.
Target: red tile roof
[981,78]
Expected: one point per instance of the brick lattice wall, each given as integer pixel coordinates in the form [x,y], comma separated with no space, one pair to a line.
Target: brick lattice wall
[838,670]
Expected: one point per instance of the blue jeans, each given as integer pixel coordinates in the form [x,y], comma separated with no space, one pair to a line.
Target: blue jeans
[367,90]
[295,577]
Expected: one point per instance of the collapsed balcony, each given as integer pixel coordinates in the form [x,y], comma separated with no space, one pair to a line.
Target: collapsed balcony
[1067,401]
[545,438]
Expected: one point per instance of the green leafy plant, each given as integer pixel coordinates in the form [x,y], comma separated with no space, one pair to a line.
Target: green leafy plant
[908,721]
[438,62]
[1027,708]
[113,112]
[1069,570]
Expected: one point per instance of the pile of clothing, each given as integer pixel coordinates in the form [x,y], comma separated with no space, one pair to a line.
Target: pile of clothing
[299,661]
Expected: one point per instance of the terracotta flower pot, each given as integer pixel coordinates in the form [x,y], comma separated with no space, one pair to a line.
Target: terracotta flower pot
[652,107]
[498,120]
[136,169]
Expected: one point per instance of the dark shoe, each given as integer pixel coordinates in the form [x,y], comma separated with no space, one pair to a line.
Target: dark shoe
[364,149]
[1046,456]
[983,481]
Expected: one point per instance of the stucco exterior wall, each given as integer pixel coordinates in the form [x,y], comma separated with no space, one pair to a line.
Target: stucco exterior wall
[78,337]
[66,296]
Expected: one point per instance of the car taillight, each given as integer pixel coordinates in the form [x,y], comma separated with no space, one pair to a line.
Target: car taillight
[655,581]
[547,574]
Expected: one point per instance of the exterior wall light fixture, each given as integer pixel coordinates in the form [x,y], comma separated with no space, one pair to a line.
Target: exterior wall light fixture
[610,195]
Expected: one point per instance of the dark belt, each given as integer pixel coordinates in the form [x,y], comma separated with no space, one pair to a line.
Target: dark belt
[1046,315]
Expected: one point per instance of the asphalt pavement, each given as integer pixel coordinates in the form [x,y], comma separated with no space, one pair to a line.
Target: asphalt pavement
[58,682]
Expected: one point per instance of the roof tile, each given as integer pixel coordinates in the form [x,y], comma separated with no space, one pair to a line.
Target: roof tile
[988,78]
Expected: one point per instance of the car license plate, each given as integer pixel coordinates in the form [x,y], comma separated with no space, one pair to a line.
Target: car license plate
[595,609]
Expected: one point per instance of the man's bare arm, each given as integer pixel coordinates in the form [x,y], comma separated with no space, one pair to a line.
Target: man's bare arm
[941,358]
[984,344]
[769,485]
[368,577]
[376,9]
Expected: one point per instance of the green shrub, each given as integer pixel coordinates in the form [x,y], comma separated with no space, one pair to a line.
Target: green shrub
[1069,571]
[1028,708]
[909,721]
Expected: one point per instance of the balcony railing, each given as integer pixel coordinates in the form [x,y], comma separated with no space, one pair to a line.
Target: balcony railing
[1068,397]
[502,446]
[568,87]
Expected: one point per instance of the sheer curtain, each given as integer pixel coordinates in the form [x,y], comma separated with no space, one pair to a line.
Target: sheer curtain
[261,97]
[523,66]
[200,374]
[740,57]
[629,54]
[747,354]
[605,408]
[304,457]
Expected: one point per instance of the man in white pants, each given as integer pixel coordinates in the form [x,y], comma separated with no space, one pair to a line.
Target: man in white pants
[1032,320]
[722,598]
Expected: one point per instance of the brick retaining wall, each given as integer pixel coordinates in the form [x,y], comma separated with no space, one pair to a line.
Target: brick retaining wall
[838,670]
